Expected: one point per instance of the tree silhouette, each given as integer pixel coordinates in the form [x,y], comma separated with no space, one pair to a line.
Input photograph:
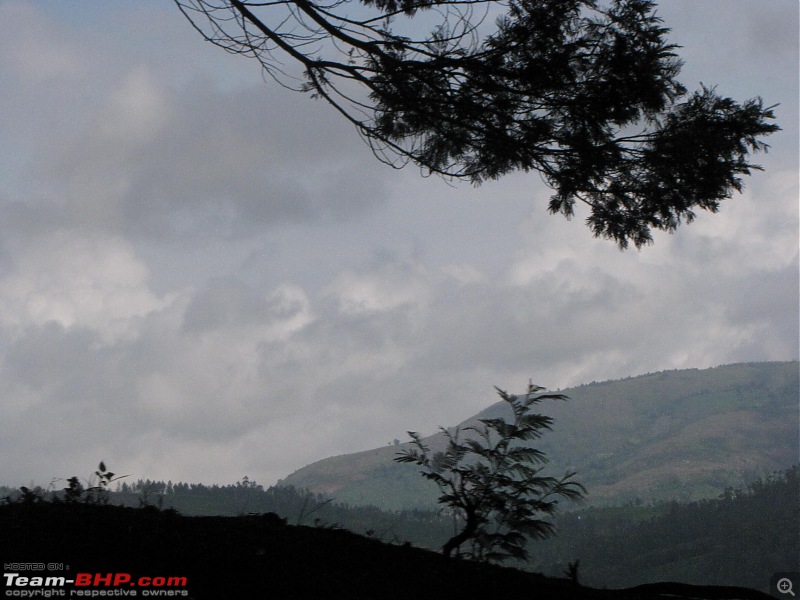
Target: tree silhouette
[583,92]
[492,480]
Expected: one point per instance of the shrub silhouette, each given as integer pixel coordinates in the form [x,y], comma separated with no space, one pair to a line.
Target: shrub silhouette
[492,480]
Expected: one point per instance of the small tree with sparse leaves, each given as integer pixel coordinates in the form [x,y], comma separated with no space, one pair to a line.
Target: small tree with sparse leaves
[96,490]
[492,480]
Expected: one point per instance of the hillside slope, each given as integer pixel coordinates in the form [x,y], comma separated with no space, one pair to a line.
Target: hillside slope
[683,434]
[102,551]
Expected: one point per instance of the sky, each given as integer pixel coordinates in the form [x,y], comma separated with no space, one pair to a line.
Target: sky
[205,276]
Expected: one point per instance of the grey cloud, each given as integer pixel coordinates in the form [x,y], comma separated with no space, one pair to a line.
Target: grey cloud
[48,353]
[220,163]
[115,138]
[240,285]
[224,302]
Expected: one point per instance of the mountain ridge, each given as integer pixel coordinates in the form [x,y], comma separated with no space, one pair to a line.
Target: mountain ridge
[682,434]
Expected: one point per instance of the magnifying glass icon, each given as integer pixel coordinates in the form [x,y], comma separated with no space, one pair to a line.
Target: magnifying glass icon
[784,586]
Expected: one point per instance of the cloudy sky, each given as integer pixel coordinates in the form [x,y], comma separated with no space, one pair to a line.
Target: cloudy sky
[204,276]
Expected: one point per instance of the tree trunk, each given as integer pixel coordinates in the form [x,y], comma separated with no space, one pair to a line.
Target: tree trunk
[470,528]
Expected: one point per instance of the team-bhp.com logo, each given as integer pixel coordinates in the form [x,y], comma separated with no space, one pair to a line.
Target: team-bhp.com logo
[93,585]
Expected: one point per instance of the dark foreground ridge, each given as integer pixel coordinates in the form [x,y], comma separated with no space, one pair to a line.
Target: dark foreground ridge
[259,556]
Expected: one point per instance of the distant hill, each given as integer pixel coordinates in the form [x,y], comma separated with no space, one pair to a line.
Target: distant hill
[684,434]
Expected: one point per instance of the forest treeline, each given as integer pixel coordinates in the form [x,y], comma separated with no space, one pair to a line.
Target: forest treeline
[740,538]
[425,528]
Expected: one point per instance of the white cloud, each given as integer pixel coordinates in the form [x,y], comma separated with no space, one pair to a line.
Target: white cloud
[395,288]
[73,280]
